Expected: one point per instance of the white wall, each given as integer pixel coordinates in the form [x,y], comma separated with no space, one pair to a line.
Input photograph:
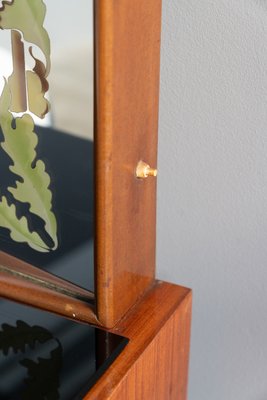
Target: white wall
[212,197]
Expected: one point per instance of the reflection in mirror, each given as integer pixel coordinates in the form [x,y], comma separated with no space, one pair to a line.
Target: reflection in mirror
[43,356]
[46,152]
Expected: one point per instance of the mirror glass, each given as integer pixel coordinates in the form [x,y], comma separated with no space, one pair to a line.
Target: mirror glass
[46,152]
[44,356]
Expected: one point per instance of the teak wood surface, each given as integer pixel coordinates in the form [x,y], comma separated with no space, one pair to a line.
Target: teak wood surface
[155,316]
[127,40]
[154,364]
[127,59]
[29,285]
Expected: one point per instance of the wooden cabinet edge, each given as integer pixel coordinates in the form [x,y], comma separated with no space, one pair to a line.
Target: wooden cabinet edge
[154,365]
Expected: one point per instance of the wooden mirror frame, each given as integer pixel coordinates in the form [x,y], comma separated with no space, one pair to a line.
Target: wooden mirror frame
[127,92]
[154,315]
[127,59]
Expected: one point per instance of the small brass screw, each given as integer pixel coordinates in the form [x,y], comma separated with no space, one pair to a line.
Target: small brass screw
[143,170]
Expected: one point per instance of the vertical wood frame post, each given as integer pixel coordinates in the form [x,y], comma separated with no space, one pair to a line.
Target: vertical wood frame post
[127,35]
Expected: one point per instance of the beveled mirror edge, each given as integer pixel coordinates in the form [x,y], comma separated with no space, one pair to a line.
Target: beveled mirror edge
[24,271]
[29,285]
[28,293]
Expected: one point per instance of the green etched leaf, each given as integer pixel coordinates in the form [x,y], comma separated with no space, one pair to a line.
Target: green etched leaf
[28,88]
[20,142]
[28,17]
[37,103]
[19,230]
[37,86]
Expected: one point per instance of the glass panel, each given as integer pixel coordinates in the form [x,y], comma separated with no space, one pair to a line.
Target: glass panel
[46,152]
[43,356]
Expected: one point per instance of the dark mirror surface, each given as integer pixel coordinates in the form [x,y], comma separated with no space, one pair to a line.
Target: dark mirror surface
[46,357]
[46,152]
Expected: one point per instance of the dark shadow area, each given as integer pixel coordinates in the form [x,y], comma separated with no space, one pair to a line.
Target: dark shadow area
[69,162]
[45,357]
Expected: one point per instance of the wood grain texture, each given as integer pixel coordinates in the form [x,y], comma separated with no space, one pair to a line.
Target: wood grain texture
[127,87]
[154,365]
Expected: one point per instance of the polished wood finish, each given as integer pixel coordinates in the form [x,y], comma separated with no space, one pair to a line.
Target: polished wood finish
[127,87]
[154,365]
[23,283]
[43,278]
[127,49]
[155,316]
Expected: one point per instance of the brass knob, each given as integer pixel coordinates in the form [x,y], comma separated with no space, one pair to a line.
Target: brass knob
[143,170]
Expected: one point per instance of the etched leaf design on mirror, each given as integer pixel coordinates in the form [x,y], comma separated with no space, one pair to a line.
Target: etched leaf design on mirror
[20,142]
[16,81]
[24,91]
[28,16]
[35,80]
[19,230]
[37,86]
[37,102]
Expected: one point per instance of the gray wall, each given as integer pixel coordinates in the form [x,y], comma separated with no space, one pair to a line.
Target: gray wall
[212,197]
[212,193]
